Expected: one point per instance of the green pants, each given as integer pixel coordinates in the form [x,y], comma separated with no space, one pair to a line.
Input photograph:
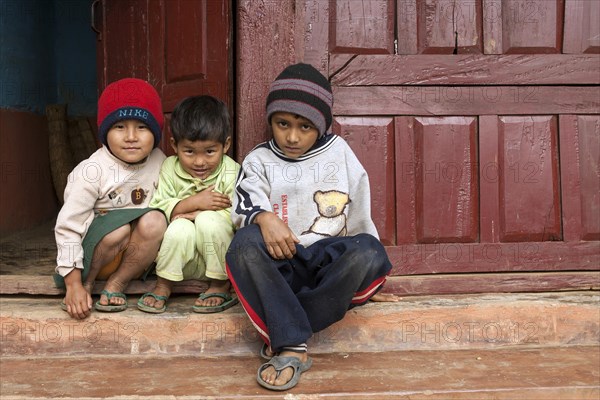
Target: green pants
[195,249]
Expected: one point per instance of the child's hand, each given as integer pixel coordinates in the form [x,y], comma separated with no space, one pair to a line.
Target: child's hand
[278,237]
[77,299]
[209,200]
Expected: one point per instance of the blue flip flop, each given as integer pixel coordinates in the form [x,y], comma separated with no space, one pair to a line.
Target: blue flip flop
[280,363]
[149,309]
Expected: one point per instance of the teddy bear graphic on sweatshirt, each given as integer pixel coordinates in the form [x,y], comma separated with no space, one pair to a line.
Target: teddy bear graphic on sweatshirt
[331,220]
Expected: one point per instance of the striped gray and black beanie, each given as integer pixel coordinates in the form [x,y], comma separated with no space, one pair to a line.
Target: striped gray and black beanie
[302,90]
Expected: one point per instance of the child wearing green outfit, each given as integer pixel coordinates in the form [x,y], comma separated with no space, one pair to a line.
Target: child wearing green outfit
[195,191]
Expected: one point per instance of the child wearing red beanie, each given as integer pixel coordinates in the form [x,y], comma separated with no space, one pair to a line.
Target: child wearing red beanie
[105,229]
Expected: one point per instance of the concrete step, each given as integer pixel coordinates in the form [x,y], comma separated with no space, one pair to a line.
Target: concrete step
[501,373]
[37,326]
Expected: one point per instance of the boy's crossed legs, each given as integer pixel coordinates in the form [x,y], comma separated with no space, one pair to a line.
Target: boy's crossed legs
[306,294]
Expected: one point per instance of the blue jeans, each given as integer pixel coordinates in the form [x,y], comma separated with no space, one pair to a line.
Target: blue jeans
[289,300]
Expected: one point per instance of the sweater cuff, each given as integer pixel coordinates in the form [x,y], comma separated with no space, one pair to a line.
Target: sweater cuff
[64,271]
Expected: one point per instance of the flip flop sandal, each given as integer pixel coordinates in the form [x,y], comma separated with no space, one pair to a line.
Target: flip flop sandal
[280,363]
[228,302]
[111,307]
[149,309]
[263,352]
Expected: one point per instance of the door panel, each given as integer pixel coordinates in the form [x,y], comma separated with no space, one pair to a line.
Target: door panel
[182,47]
[520,185]
[582,26]
[122,46]
[589,167]
[436,180]
[580,161]
[528,178]
[362,27]
[196,55]
[185,48]
[523,26]
[439,26]
[447,193]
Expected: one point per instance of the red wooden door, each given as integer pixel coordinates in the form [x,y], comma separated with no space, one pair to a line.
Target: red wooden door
[478,123]
[183,47]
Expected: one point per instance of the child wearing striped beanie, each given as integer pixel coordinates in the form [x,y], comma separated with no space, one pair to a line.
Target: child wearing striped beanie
[307,249]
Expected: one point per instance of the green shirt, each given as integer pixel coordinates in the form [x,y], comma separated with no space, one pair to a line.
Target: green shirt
[175,184]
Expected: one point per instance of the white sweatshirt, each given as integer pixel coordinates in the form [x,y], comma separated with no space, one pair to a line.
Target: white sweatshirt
[97,185]
[323,193]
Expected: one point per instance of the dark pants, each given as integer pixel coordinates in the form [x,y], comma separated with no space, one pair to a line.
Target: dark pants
[288,300]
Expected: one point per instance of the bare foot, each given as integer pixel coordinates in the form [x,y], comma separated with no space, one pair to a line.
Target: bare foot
[385,297]
[269,375]
[214,287]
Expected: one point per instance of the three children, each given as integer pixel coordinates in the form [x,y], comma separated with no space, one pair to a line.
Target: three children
[306,250]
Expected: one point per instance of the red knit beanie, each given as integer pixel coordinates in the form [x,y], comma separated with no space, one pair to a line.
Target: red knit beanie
[130,98]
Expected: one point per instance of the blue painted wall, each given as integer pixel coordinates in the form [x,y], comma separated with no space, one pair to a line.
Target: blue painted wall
[47,55]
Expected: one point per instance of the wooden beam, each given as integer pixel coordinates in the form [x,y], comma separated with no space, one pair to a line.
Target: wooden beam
[492,283]
[418,259]
[400,285]
[478,69]
[465,100]
[44,285]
